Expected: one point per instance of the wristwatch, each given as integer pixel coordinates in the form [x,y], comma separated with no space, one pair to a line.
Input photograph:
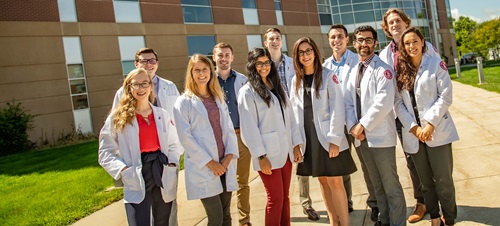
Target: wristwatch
[261,157]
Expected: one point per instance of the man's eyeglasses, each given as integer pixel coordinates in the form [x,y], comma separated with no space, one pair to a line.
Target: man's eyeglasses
[367,40]
[146,61]
[260,64]
[305,53]
[140,85]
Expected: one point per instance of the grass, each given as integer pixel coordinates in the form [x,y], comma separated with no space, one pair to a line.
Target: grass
[469,76]
[54,186]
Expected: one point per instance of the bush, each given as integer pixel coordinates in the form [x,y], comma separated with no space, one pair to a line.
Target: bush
[15,122]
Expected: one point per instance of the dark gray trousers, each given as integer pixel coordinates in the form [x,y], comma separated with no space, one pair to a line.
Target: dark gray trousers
[218,207]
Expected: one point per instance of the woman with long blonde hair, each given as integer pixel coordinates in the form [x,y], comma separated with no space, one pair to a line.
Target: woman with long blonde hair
[138,143]
[207,135]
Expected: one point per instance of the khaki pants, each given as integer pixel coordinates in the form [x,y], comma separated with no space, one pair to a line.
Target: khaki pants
[242,176]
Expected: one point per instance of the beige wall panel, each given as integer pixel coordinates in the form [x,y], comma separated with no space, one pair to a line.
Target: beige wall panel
[31,73]
[51,126]
[29,28]
[103,68]
[296,18]
[102,99]
[103,83]
[255,29]
[227,15]
[31,50]
[268,17]
[34,90]
[164,29]
[238,42]
[88,28]
[265,4]
[48,105]
[174,75]
[130,29]
[173,63]
[314,20]
[161,13]
[229,29]
[168,45]
[96,48]
[240,67]
[200,29]
[70,29]
[295,5]
[99,115]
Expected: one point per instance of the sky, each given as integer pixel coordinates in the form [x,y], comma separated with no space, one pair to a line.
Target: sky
[478,10]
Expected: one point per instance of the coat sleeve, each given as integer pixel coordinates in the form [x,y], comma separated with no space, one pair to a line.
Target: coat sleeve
[182,114]
[337,111]
[403,113]
[349,102]
[444,96]
[108,153]
[175,149]
[232,141]
[250,133]
[383,100]
[116,99]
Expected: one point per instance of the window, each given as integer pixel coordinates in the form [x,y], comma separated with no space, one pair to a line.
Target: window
[347,18]
[77,84]
[127,11]
[250,14]
[128,47]
[197,11]
[279,12]
[325,17]
[67,11]
[201,44]
[284,47]
[363,17]
[254,41]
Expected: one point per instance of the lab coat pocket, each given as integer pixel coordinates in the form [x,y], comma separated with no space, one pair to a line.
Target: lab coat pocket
[130,178]
[169,181]
[197,175]
[271,143]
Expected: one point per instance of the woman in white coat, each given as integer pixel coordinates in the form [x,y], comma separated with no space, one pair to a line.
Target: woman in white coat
[207,134]
[318,106]
[268,129]
[422,101]
[138,143]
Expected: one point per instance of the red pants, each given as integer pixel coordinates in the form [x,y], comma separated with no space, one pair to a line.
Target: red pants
[277,188]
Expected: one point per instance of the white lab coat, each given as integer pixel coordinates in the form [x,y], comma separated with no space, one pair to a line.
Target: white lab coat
[328,111]
[239,81]
[377,102]
[263,130]
[197,138]
[289,71]
[166,96]
[350,62]
[433,95]
[388,57]
[118,150]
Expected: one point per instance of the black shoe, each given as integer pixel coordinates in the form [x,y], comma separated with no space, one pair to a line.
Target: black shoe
[311,214]
[351,209]
[374,215]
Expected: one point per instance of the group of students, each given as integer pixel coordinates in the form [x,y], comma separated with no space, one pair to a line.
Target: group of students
[284,111]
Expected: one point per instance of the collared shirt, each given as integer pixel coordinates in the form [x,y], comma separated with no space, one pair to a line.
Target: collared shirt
[337,66]
[366,63]
[395,54]
[156,80]
[281,73]
[230,97]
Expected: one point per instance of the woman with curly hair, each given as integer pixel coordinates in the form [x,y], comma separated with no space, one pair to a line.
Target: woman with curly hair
[268,129]
[422,101]
[207,134]
[318,105]
[138,143]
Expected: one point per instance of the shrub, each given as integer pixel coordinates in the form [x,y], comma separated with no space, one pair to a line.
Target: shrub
[15,122]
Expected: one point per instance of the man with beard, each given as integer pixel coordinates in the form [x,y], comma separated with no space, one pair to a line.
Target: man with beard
[231,81]
[369,97]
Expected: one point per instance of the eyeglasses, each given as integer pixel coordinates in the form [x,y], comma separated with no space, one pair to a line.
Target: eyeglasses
[305,53]
[260,64]
[140,85]
[367,40]
[146,61]
[199,71]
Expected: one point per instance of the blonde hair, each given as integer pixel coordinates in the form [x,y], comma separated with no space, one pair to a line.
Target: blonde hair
[401,13]
[191,88]
[125,111]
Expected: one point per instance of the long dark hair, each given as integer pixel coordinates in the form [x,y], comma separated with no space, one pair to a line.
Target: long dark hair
[256,82]
[405,69]
[299,68]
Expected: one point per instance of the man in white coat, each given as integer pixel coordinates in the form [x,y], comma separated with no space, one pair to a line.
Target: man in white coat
[369,97]
[284,65]
[394,23]
[341,62]
[231,81]
[166,95]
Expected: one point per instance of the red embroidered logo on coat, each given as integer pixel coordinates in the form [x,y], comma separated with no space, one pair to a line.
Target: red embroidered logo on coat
[172,122]
[388,74]
[443,65]
[334,77]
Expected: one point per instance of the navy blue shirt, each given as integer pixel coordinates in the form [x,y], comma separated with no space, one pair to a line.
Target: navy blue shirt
[231,99]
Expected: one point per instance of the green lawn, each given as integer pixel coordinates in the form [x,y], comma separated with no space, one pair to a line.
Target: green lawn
[55,186]
[470,76]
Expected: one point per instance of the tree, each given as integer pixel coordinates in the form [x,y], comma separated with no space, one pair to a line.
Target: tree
[486,35]
[464,28]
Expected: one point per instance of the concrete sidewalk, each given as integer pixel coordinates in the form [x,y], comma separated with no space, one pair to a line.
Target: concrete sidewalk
[476,113]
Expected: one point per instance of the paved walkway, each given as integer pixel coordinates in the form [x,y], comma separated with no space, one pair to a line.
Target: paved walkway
[476,113]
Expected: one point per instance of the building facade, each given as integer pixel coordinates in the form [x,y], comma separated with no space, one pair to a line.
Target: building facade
[65,59]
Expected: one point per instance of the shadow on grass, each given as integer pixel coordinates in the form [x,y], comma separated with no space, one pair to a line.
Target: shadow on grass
[54,159]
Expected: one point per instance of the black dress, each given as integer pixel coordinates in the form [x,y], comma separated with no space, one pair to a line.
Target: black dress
[316,159]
